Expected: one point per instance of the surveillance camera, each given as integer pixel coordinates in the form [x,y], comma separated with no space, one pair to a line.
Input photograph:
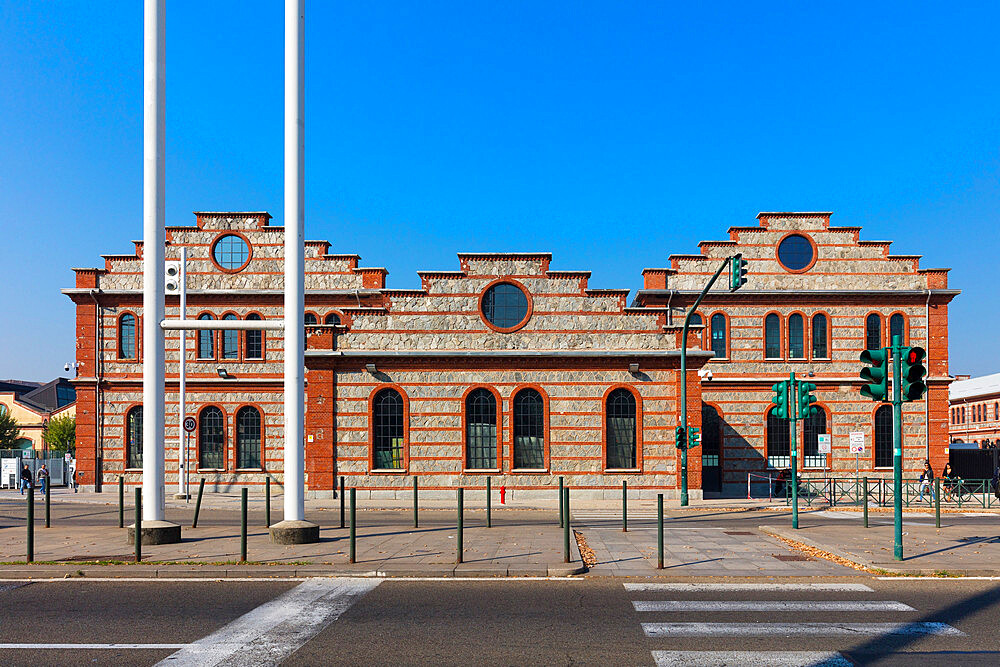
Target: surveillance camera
[66,368]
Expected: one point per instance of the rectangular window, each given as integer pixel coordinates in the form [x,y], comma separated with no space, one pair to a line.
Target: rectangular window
[255,345]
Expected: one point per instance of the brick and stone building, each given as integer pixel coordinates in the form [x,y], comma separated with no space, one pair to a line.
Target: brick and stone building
[974,415]
[505,367]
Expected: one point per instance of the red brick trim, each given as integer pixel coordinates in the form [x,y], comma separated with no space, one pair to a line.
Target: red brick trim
[229,232]
[371,430]
[465,430]
[545,430]
[515,283]
[806,237]
[639,428]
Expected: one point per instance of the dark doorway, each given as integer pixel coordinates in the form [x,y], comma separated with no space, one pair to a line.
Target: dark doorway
[711,450]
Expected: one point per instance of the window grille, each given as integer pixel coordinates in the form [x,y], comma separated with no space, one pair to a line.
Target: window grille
[211,438]
[387,416]
[133,438]
[248,438]
[529,430]
[621,416]
[481,430]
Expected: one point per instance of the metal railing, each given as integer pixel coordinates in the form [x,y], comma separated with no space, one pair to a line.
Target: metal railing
[834,491]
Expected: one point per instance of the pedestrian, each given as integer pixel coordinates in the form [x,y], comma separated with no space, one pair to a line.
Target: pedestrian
[927,482]
[25,478]
[72,474]
[996,482]
[949,480]
[43,478]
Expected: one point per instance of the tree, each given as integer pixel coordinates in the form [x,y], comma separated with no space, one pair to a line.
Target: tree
[9,429]
[60,434]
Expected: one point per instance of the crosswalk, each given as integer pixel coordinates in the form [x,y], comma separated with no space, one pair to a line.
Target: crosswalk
[660,606]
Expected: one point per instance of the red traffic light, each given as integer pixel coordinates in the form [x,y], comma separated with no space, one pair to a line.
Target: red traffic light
[913,356]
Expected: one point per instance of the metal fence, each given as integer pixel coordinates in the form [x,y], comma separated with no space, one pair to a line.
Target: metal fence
[976,493]
[11,470]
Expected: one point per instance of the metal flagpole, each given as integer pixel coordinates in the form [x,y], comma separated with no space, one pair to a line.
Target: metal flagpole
[153,287]
[294,528]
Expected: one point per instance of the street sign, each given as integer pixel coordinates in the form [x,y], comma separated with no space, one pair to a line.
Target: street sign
[857,442]
[823,440]
[68,457]
[190,424]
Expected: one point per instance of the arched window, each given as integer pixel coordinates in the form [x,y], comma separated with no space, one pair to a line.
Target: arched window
[310,320]
[696,321]
[388,430]
[248,438]
[883,437]
[897,327]
[253,343]
[621,429]
[996,411]
[719,335]
[778,442]
[126,336]
[133,438]
[772,337]
[206,340]
[873,332]
[332,318]
[796,337]
[211,439]
[812,428]
[820,346]
[230,340]
[529,430]
[481,430]
[711,438]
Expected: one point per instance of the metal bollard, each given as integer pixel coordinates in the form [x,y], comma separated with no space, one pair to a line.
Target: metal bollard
[624,506]
[138,525]
[243,524]
[659,531]
[565,504]
[267,503]
[354,525]
[461,516]
[561,493]
[416,519]
[864,502]
[121,501]
[937,502]
[31,524]
[489,506]
[48,516]
[342,501]
[197,505]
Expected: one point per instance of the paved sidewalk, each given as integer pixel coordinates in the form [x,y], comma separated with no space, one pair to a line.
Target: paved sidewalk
[955,549]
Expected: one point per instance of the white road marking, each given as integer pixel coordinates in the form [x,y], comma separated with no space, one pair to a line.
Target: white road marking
[770,605]
[274,630]
[980,514]
[933,578]
[796,629]
[91,647]
[750,658]
[222,580]
[700,588]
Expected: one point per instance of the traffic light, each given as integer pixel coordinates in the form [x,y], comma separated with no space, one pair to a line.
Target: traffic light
[679,437]
[737,272]
[913,387]
[780,399]
[877,376]
[806,399]
[694,437]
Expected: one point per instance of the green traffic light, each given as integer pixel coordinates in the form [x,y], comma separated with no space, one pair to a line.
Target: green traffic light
[679,437]
[876,376]
[694,439]
[913,387]
[737,272]
[806,399]
[780,400]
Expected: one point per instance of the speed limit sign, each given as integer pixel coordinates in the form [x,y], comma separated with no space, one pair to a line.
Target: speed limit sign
[189,424]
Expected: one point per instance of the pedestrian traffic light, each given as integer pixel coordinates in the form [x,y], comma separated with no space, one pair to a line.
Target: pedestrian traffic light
[876,376]
[737,272]
[780,399]
[694,437]
[679,437]
[912,387]
[806,400]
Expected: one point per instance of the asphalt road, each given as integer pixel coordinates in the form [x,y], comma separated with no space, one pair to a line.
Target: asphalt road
[576,621]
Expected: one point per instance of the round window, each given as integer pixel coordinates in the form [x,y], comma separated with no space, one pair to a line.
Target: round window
[505,306]
[796,252]
[231,252]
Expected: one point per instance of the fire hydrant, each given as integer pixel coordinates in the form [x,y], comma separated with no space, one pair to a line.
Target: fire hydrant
[503,495]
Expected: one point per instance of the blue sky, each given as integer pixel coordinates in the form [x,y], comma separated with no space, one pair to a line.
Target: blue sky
[611,134]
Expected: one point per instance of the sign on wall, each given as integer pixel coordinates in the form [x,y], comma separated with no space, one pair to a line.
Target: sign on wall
[857,442]
[823,441]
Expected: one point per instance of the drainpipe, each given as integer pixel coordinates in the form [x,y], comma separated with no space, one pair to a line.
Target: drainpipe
[670,313]
[98,402]
[927,402]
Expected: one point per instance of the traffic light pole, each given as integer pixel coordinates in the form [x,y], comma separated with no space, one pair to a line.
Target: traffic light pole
[684,339]
[793,411]
[897,445]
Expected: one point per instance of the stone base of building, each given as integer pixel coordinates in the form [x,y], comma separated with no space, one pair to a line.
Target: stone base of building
[156,532]
[295,532]
[519,496]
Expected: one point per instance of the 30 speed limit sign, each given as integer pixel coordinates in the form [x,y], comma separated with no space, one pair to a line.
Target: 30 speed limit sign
[189,424]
